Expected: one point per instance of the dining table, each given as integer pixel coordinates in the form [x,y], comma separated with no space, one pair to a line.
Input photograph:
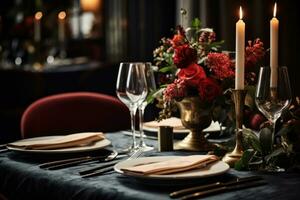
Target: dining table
[22,178]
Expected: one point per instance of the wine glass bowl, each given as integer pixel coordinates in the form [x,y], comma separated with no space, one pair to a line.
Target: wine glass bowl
[272,100]
[273,95]
[136,86]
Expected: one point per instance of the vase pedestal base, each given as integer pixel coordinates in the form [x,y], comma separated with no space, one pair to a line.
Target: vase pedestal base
[194,142]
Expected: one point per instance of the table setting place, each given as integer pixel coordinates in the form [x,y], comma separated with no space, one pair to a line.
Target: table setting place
[217,130]
[95,160]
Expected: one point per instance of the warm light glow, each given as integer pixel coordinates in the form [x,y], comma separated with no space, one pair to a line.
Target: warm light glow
[38,15]
[91,5]
[241,13]
[275,10]
[62,15]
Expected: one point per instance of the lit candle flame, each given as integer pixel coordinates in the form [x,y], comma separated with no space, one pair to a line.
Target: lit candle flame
[62,15]
[275,10]
[38,15]
[241,13]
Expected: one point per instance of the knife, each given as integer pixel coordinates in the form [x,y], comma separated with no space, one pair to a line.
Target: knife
[70,163]
[99,172]
[213,185]
[57,162]
[224,189]
[94,169]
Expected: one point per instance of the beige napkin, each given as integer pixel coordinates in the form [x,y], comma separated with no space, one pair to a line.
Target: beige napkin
[72,140]
[173,122]
[174,165]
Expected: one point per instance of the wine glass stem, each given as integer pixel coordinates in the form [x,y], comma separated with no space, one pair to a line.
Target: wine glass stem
[273,133]
[132,115]
[141,116]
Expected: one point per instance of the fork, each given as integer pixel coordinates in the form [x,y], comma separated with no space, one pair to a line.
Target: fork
[136,154]
[3,148]
[109,167]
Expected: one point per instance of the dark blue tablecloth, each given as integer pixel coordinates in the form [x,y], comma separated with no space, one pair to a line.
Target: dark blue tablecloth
[21,178]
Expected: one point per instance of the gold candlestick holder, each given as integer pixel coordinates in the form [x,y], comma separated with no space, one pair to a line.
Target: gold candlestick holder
[236,154]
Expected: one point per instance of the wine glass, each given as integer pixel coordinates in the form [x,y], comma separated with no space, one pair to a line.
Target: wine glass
[122,95]
[149,75]
[273,93]
[136,89]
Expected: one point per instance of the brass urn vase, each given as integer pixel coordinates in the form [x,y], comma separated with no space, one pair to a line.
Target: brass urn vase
[195,116]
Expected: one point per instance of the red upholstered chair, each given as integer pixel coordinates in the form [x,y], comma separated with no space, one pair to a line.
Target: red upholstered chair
[74,112]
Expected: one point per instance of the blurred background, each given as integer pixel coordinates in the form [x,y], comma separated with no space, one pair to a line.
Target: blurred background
[53,46]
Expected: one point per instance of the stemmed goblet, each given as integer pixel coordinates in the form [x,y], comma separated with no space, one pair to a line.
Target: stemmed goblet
[273,94]
[121,90]
[149,75]
[136,90]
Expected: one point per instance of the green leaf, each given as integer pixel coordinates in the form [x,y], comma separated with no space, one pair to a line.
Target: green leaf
[266,140]
[284,131]
[274,154]
[166,69]
[196,23]
[250,140]
[150,97]
[243,163]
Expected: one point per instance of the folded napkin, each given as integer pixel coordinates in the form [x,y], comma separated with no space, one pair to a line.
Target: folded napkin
[174,165]
[72,140]
[173,122]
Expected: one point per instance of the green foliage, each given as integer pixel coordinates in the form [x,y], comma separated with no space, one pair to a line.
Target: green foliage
[196,23]
[243,163]
[251,141]
[266,141]
[166,69]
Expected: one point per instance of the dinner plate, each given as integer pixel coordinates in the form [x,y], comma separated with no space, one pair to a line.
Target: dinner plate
[214,169]
[95,146]
[214,127]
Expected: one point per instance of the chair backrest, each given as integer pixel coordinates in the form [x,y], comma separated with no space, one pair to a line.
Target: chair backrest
[74,112]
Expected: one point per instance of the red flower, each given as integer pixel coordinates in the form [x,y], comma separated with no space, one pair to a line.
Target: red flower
[207,36]
[221,65]
[178,40]
[192,74]
[177,89]
[184,56]
[209,89]
[254,52]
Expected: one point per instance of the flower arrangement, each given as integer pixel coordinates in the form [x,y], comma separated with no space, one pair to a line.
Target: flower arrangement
[192,64]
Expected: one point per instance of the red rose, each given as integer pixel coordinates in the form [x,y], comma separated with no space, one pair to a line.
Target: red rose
[184,56]
[209,89]
[192,74]
[178,40]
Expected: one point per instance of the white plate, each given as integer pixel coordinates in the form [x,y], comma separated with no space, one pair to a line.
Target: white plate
[97,145]
[152,129]
[215,169]
[214,127]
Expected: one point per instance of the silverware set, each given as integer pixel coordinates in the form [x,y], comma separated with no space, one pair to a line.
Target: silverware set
[60,164]
[95,171]
[106,163]
[218,187]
